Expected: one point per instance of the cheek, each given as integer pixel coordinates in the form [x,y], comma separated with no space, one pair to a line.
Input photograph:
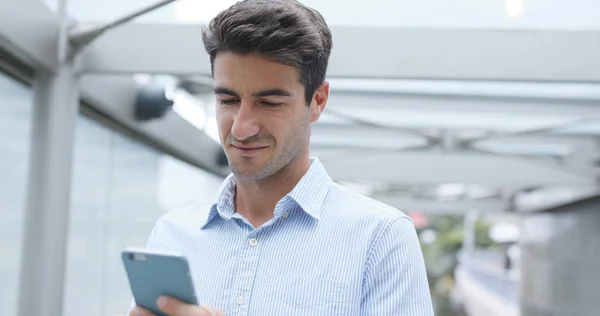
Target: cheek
[224,122]
[293,132]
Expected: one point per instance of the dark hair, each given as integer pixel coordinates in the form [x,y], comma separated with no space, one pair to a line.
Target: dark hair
[284,31]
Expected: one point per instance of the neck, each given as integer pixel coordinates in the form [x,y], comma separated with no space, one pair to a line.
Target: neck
[256,200]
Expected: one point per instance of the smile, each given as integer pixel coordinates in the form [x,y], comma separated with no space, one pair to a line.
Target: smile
[248,150]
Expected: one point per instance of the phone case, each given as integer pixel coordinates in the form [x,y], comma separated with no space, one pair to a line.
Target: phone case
[153,274]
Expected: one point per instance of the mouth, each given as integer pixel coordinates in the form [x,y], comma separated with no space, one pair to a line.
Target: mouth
[248,150]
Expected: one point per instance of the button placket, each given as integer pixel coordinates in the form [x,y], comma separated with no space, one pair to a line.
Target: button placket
[245,275]
[252,242]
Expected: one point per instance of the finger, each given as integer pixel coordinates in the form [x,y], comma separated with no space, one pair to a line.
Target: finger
[212,311]
[174,307]
[140,311]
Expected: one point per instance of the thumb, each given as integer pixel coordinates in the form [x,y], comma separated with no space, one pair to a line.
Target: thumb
[174,307]
[212,311]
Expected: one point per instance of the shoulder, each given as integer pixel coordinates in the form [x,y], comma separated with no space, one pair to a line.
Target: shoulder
[361,207]
[366,215]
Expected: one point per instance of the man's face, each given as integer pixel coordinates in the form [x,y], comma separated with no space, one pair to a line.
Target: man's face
[263,119]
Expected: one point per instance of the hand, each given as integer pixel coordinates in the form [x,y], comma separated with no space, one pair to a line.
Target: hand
[174,307]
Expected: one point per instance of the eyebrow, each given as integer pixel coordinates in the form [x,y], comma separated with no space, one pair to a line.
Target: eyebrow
[273,92]
[221,90]
[260,94]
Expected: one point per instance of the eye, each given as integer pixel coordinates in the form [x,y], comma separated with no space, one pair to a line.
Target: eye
[229,101]
[271,104]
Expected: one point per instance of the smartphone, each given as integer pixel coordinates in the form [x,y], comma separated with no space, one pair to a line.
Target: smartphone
[153,273]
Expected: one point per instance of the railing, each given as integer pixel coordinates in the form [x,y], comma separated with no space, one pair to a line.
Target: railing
[484,286]
[487,268]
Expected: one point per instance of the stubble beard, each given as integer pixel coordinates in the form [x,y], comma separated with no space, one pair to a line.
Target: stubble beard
[245,170]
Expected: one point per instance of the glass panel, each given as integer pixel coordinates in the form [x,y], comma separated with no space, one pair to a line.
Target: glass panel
[132,210]
[87,228]
[16,105]
[553,14]
[120,188]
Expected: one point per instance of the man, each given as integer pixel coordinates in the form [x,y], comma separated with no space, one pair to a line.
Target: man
[282,238]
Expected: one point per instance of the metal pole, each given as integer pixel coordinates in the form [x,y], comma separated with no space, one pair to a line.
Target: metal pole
[45,235]
[469,231]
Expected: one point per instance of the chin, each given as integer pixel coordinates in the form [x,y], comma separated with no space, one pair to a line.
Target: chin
[248,172]
[249,176]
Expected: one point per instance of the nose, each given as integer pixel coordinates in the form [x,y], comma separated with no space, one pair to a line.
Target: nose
[245,124]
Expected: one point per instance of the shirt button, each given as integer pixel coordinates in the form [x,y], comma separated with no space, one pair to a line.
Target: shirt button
[240,300]
[285,214]
[252,242]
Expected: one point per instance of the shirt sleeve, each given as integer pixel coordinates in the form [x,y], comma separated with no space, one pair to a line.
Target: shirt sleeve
[395,281]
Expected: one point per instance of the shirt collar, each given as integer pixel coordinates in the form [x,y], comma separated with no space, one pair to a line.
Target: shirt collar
[223,206]
[309,193]
[311,190]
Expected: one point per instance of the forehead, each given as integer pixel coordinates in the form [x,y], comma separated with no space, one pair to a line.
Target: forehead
[252,72]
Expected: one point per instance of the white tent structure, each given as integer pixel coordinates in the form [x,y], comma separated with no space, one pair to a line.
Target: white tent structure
[439,106]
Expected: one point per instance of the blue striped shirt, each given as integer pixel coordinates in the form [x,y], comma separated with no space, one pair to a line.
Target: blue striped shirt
[327,251]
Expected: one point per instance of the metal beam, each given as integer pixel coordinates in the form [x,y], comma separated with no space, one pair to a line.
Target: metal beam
[351,136]
[433,168]
[458,112]
[550,55]
[45,235]
[523,90]
[81,38]
[148,48]
[407,204]
[547,199]
[29,31]
[465,54]
[115,95]
[463,102]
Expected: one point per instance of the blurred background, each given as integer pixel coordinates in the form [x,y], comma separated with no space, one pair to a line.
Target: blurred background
[478,118]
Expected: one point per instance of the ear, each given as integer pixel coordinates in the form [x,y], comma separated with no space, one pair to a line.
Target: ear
[319,101]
